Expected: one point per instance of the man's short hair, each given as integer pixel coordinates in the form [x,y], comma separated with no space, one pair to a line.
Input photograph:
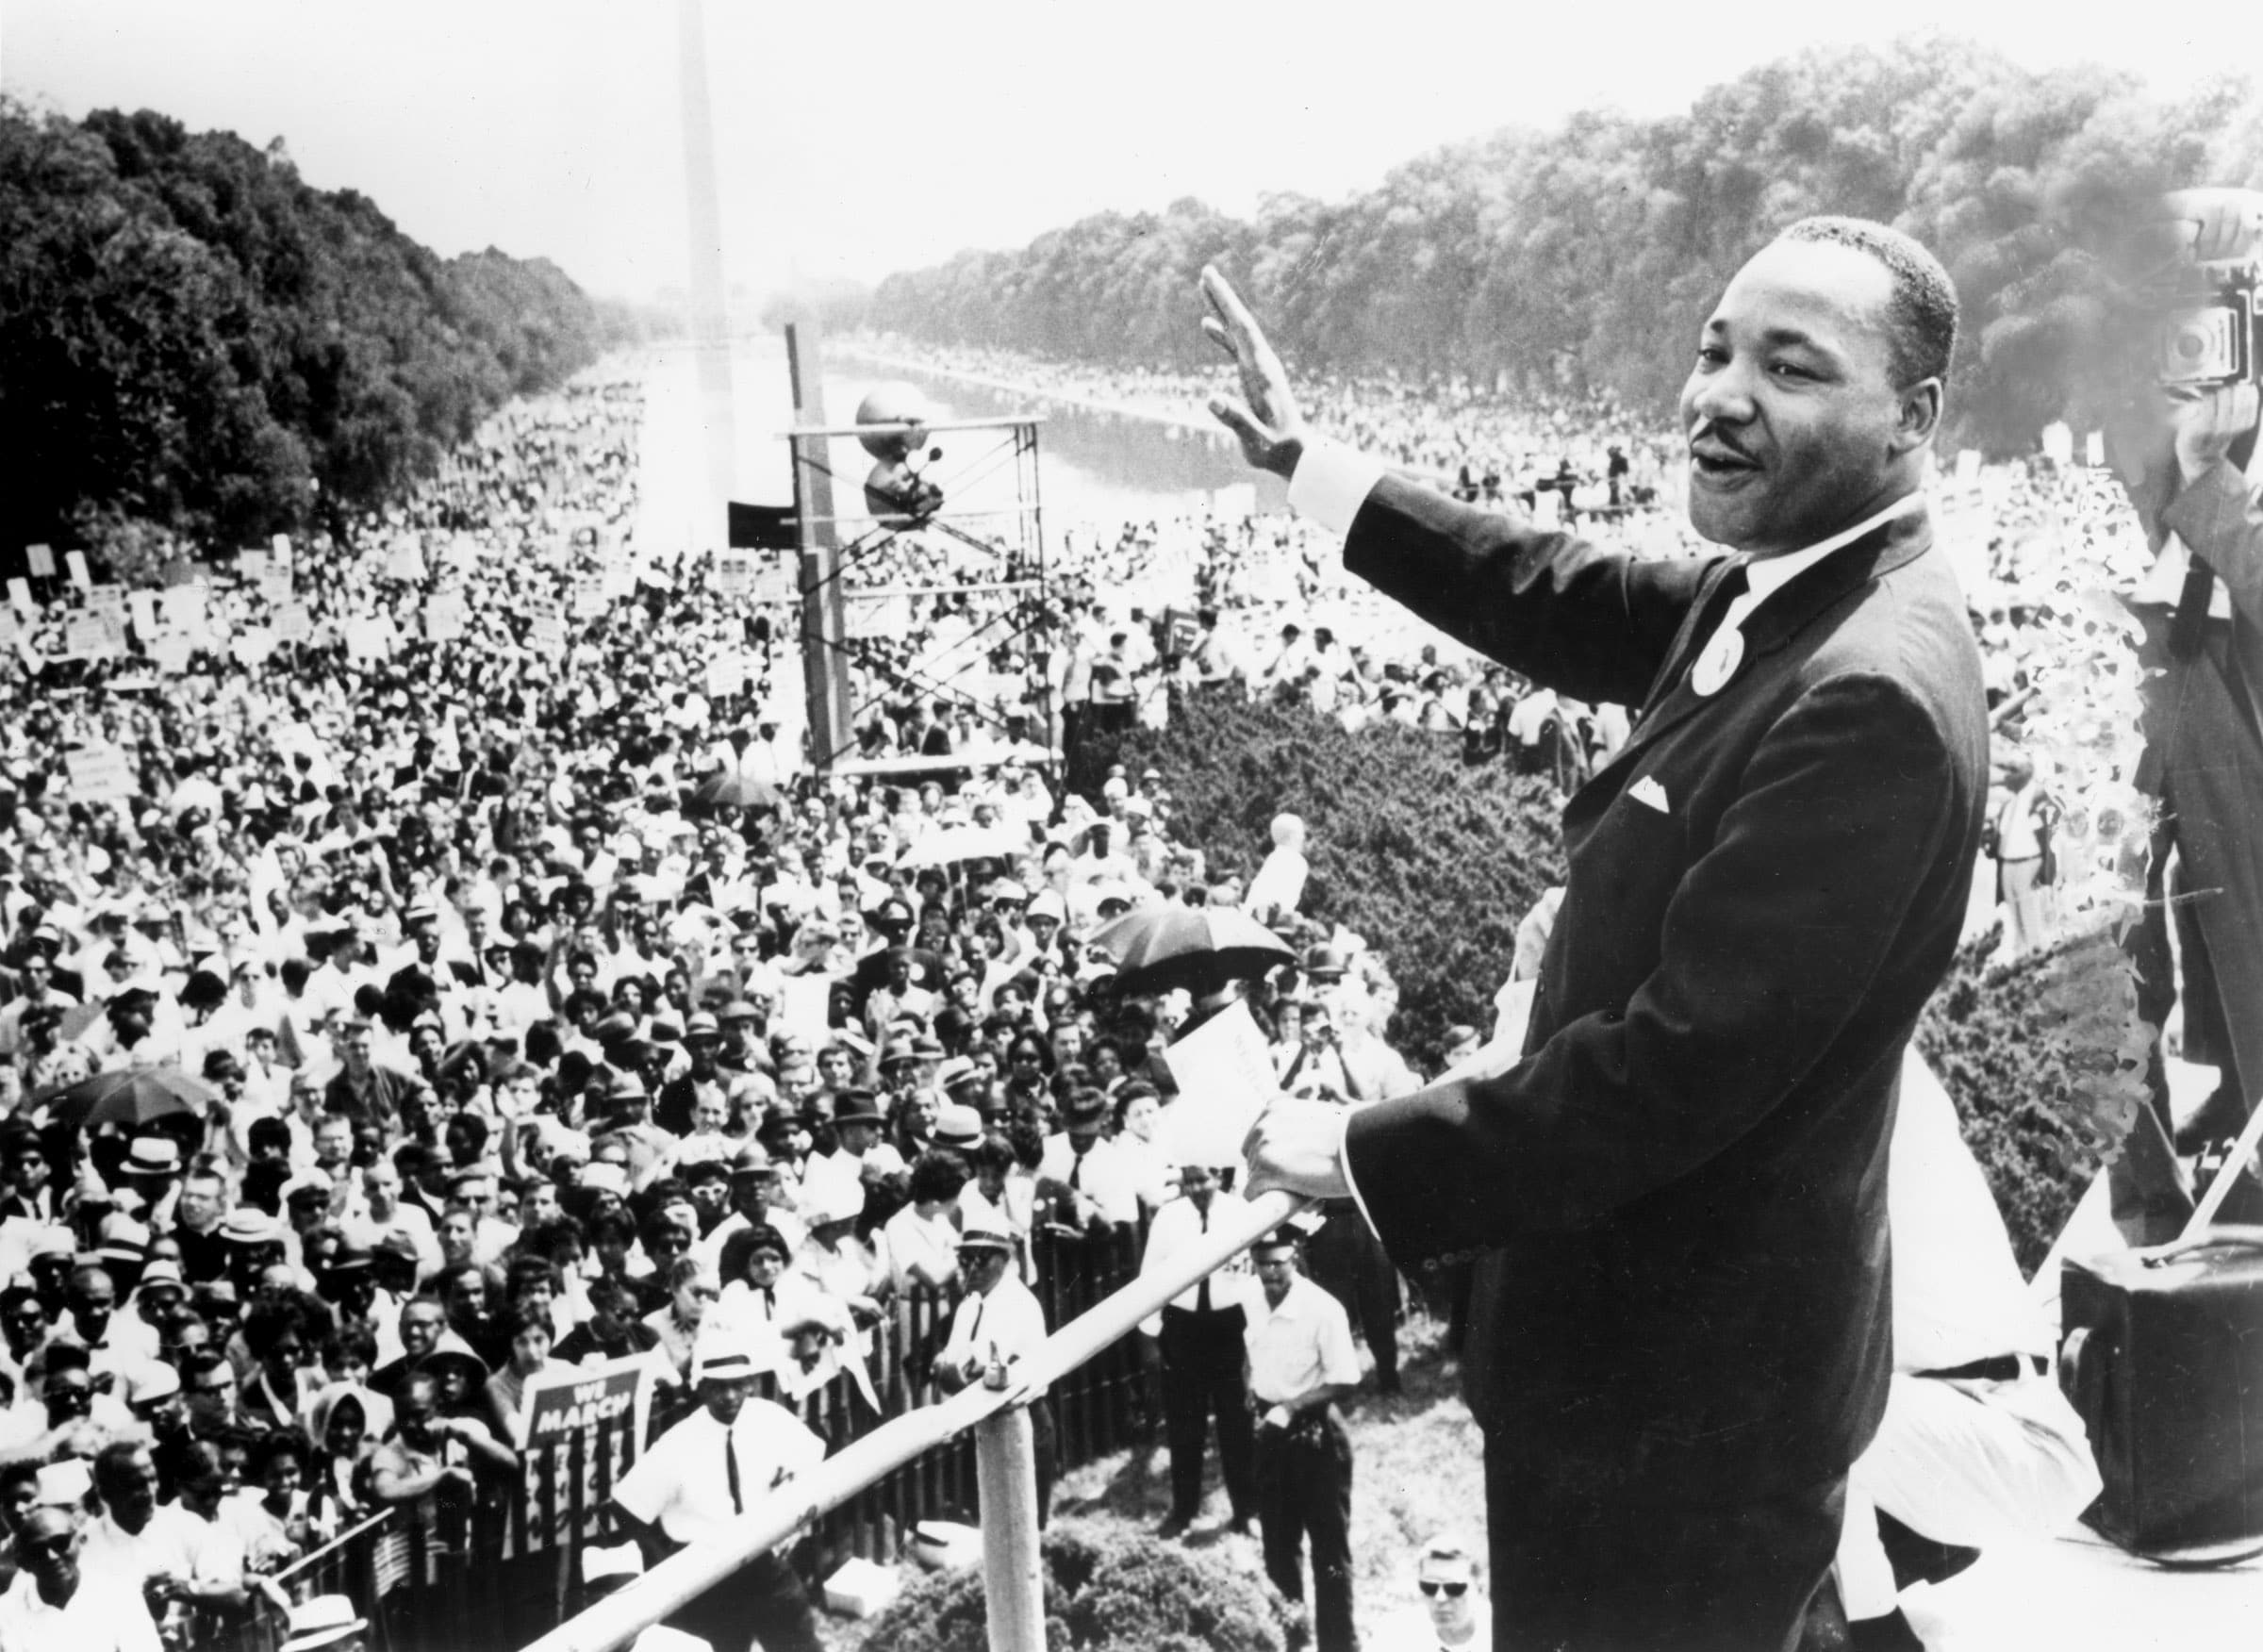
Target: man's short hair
[1922,315]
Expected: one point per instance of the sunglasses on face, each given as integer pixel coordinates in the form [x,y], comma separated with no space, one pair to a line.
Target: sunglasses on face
[1451,1591]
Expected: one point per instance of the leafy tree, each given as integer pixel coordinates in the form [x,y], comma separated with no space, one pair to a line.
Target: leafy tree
[195,342]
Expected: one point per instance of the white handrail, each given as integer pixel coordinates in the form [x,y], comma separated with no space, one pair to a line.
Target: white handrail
[683,1576]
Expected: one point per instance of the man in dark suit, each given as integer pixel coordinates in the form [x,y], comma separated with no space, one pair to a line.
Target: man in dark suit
[1680,1330]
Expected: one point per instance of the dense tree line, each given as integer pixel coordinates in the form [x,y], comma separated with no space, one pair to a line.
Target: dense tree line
[195,342]
[1587,256]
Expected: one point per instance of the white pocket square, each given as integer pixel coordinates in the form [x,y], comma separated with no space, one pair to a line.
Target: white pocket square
[1647,790]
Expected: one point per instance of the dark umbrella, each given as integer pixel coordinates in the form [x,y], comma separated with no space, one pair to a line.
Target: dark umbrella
[133,1097]
[1158,948]
[739,791]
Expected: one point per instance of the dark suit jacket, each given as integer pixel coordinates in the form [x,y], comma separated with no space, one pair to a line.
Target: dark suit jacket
[1677,1200]
[2204,759]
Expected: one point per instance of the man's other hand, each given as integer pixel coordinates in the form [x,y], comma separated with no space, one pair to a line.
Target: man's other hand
[2207,424]
[1298,1145]
[1265,420]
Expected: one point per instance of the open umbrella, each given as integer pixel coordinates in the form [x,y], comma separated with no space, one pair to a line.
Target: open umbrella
[739,791]
[131,1098]
[1158,948]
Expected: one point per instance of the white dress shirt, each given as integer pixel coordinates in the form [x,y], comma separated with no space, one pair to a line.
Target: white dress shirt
[1105,1175]
[100,1617]
[1297,1346]
[1006,1326]
[1178,1228]
[683,1482]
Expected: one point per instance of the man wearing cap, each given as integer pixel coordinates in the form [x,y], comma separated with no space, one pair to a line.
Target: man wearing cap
[1302,1363]
[997,1326]
[677,1107]
[753,1181]
[1200,1331]
[1087,1173]
[152,1164]
[649,1146]
[696,1479]
[52,1607]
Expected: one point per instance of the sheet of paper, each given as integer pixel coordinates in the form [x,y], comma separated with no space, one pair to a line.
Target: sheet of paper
[1225,1079]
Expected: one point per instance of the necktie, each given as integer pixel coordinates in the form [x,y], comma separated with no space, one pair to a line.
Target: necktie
[1720,648]
[739,1502]
[770,1301]
[1202,1291]
[1075,1173]
[975,1325]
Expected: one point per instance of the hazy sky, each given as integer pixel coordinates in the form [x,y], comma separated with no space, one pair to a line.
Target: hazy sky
[856,140]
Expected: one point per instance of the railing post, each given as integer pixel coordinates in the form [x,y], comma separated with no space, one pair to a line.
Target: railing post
[1005,1461]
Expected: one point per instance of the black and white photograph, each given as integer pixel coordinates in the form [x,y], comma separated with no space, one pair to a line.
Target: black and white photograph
[1012,829]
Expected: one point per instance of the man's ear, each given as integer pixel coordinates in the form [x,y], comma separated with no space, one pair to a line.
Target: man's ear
[1918,417]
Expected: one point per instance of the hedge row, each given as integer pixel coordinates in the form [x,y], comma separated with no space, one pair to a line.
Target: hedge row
[1402,833]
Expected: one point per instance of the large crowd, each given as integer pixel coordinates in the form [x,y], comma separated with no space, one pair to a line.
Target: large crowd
[388,1019]
[430,958]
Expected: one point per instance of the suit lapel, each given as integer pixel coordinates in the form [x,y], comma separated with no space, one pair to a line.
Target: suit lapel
[1774,623]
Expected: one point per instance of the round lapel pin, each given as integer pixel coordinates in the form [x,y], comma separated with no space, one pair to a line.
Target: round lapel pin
[1719,662]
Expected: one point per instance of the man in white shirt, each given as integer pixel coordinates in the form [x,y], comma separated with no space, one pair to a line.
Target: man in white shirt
[53,1608]
[700,1476]
[1201,1331]
[161,1553]
[997,1325]
[1301,1361]
[1102,1182]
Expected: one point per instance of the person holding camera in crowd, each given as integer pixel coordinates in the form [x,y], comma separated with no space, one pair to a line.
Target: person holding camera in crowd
[2182,453]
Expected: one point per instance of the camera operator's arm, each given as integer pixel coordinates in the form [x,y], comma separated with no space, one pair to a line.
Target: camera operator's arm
[2215,511]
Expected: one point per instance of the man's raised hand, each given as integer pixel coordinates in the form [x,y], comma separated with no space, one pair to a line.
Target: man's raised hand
[1264,420]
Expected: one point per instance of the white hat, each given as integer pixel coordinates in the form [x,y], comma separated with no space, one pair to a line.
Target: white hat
[606,1177]
[65,1484]
[723,1353]
[321,1621]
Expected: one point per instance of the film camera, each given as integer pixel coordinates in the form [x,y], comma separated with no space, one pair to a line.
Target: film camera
[2214,341]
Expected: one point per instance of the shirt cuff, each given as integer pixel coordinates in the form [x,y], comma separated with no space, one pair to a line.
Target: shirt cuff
[1331,483]
[1343,1164]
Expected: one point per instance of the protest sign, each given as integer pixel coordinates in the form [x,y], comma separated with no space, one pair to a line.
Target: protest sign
[275,585]
[590,597]
[776,579]
[444,616]
[369,636]
[41,560]
[279,549]
[585,1398]
[171,652]
[733,571]
[251,565]
[76,562]
[142,606]
[405,561]
[293,622]
[19,598]
[726,674]
[99,774]
[88,636]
